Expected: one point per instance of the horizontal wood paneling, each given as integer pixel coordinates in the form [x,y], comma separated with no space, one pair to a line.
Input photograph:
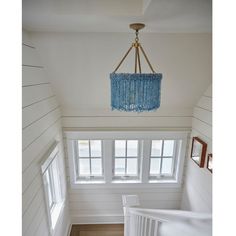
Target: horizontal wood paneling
[97,219]
[202,127]
[28,196]
[33,76]
[208,92]
[37,111]
[40,146]
[197,193]
[35,222]
[168,121]
[203,115]
[90,205]
[26,39]
[126,190]
[33,94]
[30,213]
[41,230]
[31,133]
[29,56]
[117,206]
[41,127]
[205,103]
[80,198]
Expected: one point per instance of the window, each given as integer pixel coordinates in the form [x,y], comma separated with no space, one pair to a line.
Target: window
[126,159]
[89,159]
[52,186]
[162,158]
[134,157]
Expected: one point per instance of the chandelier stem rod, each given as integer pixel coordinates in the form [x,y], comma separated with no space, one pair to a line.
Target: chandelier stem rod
[139,63]
[136,60]
[147,59]
[123,58]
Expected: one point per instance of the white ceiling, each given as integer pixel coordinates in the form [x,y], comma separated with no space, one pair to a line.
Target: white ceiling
[78,65]
[172,16]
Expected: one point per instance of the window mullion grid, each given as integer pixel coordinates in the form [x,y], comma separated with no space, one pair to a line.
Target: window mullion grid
[76,153]
[174,157]
[125,157]
[162,149]
[90,162]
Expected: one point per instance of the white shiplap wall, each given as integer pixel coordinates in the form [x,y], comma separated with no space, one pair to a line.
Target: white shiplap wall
[104,204]
[197,194]
[41,124]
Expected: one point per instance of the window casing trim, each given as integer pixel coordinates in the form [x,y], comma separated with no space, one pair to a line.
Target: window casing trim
[174,165]
[126,177]
[56,209]
[76,161]
[106,137]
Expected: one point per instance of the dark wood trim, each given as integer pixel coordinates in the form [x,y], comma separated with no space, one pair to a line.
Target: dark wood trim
[208,158]
[203,154]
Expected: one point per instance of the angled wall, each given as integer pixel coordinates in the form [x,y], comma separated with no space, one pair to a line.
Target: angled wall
[41,124]
[197,194]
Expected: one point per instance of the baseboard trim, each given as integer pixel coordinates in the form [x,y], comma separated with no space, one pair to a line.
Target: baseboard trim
[69,229]
[97,219]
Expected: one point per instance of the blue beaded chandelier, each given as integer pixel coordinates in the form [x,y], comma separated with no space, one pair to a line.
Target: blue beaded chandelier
[137,92]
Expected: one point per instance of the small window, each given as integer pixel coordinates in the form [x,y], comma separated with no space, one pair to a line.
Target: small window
[162,158]
[89,159]
[126,159]
[52,186]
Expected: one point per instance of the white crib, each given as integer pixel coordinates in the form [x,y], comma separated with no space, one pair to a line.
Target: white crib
[154,222]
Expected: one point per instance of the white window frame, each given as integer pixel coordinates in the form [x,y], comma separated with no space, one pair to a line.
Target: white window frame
[145,138]
[126,177]
[48,162]
[174,157]
[76,160]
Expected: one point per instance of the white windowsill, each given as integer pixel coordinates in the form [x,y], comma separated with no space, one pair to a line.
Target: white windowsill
[126,184]
[89,182]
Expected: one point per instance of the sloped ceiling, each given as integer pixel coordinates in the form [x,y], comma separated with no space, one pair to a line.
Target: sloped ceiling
[78,65]
[81,41]
[116,15]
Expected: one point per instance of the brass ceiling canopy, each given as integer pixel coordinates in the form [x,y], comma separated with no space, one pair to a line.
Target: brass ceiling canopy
[137,26]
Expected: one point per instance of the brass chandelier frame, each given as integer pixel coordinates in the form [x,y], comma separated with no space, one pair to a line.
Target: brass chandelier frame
[137,46]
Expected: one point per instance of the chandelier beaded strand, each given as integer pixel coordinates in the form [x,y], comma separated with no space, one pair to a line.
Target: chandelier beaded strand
[136,92]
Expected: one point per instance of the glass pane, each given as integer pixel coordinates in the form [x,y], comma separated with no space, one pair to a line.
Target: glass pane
[197,150]
[50,201]
[156,147]
[96,166]
[155,166]
[132,166]
[132,148]
[120,148]
[119,166]
[96,148]
[84,168]
[167,166]
[83,146]
[168,148]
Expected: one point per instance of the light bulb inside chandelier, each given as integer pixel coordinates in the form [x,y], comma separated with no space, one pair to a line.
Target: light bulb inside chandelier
[136,91]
